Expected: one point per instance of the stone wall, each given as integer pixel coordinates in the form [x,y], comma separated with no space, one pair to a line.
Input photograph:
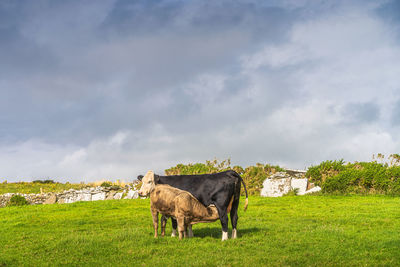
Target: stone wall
[72,195]
[282,183]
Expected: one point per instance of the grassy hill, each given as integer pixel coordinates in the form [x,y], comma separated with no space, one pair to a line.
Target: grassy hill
[287,231]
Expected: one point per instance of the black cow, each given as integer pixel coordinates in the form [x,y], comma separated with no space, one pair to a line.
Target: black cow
[220,189]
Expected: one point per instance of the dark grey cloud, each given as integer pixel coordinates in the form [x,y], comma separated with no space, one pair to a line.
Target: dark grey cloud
[63,64]
[390,11]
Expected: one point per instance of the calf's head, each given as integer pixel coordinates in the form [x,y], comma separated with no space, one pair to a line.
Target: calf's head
[149,182]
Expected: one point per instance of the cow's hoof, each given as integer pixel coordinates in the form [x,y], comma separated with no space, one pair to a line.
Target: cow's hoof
[224,236]
[173,233]
[234,233]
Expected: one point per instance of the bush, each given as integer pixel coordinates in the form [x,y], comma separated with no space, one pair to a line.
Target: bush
[211,166]
[106,184]
[358,177]
[44,181]
[319,173]
[253,176]
[17,200]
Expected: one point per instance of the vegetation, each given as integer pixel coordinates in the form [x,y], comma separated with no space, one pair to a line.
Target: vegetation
[360,177]
[39,186]
[253,176]
[380,176]
[106,184]
[34,187]
[288,231]
[44,181]
[211,166]
[17,200]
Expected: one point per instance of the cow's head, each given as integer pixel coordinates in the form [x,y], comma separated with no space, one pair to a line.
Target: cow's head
[148,184]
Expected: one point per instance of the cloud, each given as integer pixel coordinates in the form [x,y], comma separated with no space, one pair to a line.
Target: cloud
[131,86]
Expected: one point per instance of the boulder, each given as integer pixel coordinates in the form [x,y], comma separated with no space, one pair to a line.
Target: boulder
[282,183]
[99,196]
[118,195]
[84,197]
[110,195]
[132,194]
[51,199]
[313,190]
[300,185]
[276,185]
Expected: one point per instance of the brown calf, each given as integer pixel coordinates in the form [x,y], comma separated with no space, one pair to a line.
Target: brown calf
[182,205]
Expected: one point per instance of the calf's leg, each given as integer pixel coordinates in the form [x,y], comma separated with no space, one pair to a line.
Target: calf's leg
[163,224]
[154,213]
[181,227]
[190,231]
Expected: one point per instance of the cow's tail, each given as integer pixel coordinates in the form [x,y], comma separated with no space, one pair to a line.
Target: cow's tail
[246,203]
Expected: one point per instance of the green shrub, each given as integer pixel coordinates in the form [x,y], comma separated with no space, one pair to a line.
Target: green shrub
[358,177]
[106,184]
[318,174]
[253,176]
[211,166]
[17,200]
[44,181]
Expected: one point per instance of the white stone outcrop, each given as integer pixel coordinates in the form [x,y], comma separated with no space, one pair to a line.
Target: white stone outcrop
[73,195]
[132,194]
[313,190]
[282,183]
[276,186]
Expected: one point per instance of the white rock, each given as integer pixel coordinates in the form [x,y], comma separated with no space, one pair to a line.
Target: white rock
[312,190]
[70,199]
[276,187]
[99,196]
[132,194]
[84,197]
[118,195]
[300,184]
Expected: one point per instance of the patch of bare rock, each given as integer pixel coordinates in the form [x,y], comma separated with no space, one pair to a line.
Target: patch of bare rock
[281,183]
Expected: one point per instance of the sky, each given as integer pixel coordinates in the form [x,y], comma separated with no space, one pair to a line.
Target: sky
[110,89]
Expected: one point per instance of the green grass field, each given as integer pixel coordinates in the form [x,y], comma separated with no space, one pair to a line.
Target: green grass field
[288,231]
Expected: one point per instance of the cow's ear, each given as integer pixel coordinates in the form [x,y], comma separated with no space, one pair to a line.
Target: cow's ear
[156,178]
[140,177]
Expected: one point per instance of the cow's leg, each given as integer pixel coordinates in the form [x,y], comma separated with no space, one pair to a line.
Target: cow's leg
[234,219]
[223,216]
[234,213]
[190,231]
[181,227]
[174,226]
[163,224]
[154,213]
